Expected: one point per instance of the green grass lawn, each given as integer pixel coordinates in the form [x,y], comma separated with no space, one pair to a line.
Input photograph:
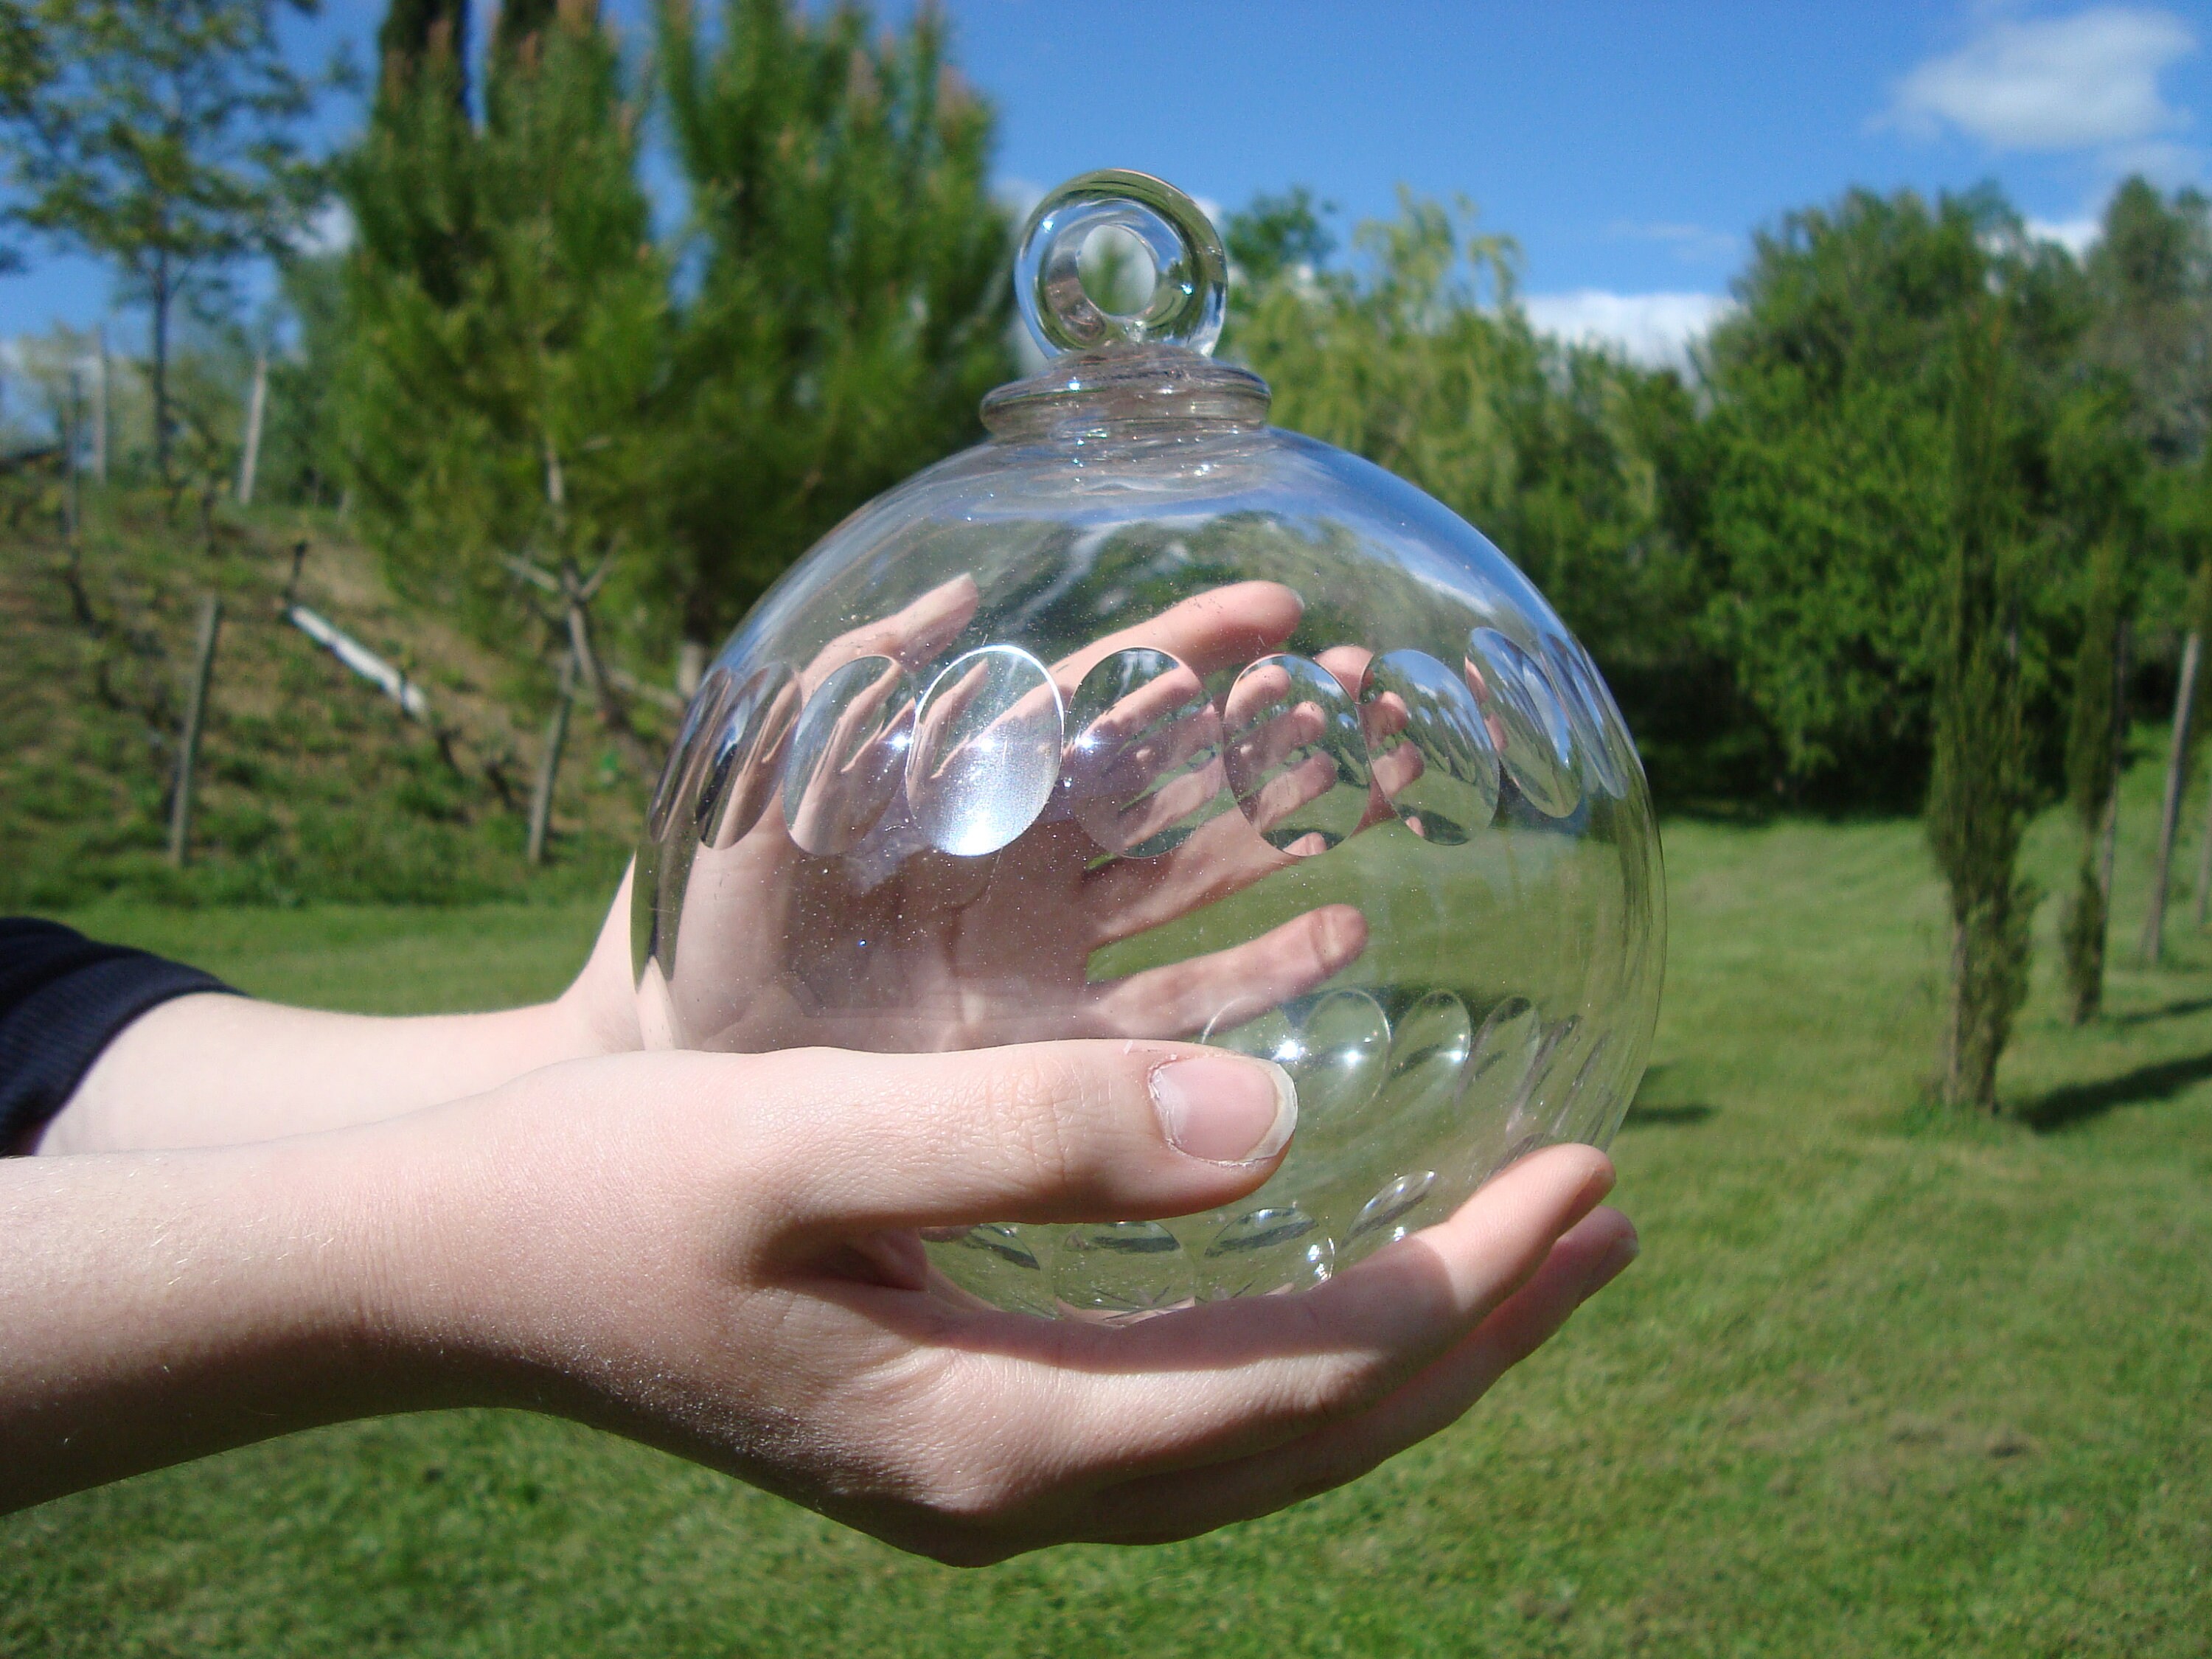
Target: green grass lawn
[1880,1385]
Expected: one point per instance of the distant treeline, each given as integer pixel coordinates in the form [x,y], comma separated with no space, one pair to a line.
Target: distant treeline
[583,436]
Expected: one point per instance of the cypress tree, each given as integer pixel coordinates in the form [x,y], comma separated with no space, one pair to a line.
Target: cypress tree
[506,310]
[2092,768]
[853,304]
[521,21]
[1980,789]
[415,31]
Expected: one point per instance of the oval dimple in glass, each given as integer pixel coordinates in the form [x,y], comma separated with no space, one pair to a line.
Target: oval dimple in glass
[1296,760]
[997,1264]
[748,744]
[1586,700]
[847,755]
[1264,1251]
[1388,1216]
[986,750]
[1343,1055]
[1121,1270]
[964,776]
[1143,769]
[1526,722]
[1432,754]
[716,686]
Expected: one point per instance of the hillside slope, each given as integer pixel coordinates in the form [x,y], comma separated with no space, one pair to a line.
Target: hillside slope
[313,783]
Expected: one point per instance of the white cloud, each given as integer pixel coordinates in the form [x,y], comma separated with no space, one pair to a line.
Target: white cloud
[2086,82]
[2075,236]
[1693,244]
[1654,329]
[330,230]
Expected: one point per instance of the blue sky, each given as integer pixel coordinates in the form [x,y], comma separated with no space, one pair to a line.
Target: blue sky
[1630,149]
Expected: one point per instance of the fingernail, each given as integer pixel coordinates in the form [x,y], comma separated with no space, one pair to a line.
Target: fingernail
[1224,1110]
[1614,1262]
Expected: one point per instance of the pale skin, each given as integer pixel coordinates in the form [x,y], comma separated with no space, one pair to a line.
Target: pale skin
[251,1219]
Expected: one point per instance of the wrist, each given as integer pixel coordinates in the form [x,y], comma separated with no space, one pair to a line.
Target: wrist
[161,1306]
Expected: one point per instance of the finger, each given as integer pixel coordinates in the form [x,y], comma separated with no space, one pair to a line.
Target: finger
[913,636]
[1157,1508]
[1182,800]
[1282,795]
[1184,997]
[1398,770]
[1205,632]
[1067,1131]
[1254,690]
[1129,897]
[1348,663]
[1233,1379]
[1259,750]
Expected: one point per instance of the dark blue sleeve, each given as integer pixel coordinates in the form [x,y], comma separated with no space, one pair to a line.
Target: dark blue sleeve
[63,999]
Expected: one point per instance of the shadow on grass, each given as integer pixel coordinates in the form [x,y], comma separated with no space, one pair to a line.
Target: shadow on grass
[2164,1010]
[1667,1117]
[1648,1115]
[2079,1101]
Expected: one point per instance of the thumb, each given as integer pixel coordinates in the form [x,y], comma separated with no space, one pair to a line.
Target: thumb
[1076,1130]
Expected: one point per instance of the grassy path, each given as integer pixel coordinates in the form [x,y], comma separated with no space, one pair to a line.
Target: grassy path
[1879,1385]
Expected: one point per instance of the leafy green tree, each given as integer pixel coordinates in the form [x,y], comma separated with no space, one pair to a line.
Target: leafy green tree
[414,30]
[2151,274]
[1827,519]
[1583,468]
[520,22]
[1981,782]
[1274,235]
[851,305]
[163,142]
[26,68]
[303,453]
[506,315]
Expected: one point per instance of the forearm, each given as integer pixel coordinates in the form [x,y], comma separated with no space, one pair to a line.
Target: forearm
[155,1306]
[208,1071]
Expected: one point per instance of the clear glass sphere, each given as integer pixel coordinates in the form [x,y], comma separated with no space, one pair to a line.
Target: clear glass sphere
[1145,719]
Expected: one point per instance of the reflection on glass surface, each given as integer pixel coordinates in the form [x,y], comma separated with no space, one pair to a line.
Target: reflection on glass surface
[986,750]
[1296,763]
[1144,764]
[1146,719]
[1434,757]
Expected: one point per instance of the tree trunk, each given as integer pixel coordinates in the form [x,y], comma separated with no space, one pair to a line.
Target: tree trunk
[2204,866]
[548,763]
[596,684]
[2109,834]
[160,306]
[2177,780]
[188,745]
[1958,1016]
[250,462]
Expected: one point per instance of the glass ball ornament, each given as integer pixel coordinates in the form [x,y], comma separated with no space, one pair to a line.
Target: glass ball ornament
[1146,719]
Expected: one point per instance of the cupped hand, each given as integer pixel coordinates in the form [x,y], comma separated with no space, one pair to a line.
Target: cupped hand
[865,936]
[718,1254]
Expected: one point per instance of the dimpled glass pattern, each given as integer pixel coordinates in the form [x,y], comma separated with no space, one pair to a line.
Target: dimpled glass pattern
[1145,719]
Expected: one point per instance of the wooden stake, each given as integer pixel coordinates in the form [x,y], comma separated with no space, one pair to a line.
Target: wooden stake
[75,446]
[548,763]
[2177,780]
[2205,866]
[2108,835]
[188,745]
[100,414]
[256,405]
[691,668]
